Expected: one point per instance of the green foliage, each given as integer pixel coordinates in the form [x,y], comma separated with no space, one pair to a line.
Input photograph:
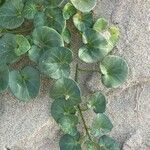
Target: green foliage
[39,29]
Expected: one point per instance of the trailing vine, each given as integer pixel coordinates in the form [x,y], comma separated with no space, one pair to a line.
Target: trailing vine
[38,29]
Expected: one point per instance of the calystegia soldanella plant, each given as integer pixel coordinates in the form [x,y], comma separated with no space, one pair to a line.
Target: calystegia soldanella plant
[39,29]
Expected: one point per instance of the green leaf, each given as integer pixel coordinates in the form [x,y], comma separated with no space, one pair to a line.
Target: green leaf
[68,124]
[23,45]
[39,19]
[83,21]
[30,9]
[114,71]
[4,77]
[68,142]
[108,143]
[67,89]
[100,25]
[68,11]
[56,19]
[84,5]
[12,46]
[98,102]
[90,145]
[94,39]
[44,38]
[55,3]
[90,54]
[24,84]
[11,14]
[101,125]
[66,35]
[61,108]
[55,62]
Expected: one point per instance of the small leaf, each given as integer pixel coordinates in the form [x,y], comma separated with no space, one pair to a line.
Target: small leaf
[90,145]
[4,77]
[108,143]
[101,125]
[68,124]
[68,142]
[98,102]
[94,39]
[24,84]
[11,14]
[55,19]
[83,21]
[68,11]
[100,25]
[84,5]
[66,35]
[90,54]
[55,62]
[114,71]
[61,108]
[67,89]
[23,45]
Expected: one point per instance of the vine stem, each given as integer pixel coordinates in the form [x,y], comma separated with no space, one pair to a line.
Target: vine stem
[79,108]
[88,70]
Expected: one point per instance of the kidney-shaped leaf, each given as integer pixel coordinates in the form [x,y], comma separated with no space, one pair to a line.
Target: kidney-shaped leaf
[67,89]
[68,11]
[101,125]
[12,46]
[90,54]
[4,77]
[108,143]
[24,84]
[11,14]
[83,21]
[98,102]
[44,38]
[61,108]
[94,39]
[55,62]
[68,142]
[84,5]
[114,71]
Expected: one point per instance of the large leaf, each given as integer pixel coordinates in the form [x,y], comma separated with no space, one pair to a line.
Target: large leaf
[4,77]
[12,46]
[90,54]
[84,5]
[44,38]
[68,11]
[83,21]
[94,39]
[61,108]
[67,89]
[55,62]
[98,102]
[108,143]
[114,71]
[67,142]
[101,125]
[55,19]
[68,124]
[11,14]
[24,84]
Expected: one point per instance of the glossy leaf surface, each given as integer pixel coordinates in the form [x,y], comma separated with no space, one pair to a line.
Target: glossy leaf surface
[55,62]
[24,84]
[114,70]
